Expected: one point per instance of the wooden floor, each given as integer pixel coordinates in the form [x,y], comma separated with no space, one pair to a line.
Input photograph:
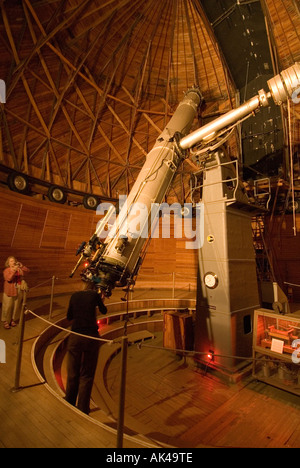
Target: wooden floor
[33,417]
[169,402]
[186,407]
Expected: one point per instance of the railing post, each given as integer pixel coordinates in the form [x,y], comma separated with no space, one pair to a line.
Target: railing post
[20,345]
[120,428]
[51,298]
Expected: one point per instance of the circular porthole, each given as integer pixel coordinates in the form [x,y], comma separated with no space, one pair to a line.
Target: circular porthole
[18,182]
[57,195]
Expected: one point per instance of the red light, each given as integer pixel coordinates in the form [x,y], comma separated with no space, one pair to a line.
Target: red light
[86,264]
[211,355]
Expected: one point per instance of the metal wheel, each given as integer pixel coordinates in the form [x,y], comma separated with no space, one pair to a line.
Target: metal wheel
[90,202]
[57,195]
[18,182]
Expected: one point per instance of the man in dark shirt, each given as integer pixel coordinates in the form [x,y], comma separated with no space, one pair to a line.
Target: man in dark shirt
[83,352]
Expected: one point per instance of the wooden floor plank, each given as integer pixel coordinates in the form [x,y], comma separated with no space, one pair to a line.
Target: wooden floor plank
[167,399]
[33,417]
[181,405]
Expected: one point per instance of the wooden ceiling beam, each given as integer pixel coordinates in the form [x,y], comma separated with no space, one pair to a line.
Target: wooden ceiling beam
[97,178]
[134,112]
[100,91]
[282,27]
[58,97]
[57,166]
[117,154]
[108,166]
[47,37]
[171,45]
[110,74]
[9,140]
[191,40]
[24,135]
[25,83]
[89,81]
[137,46]
[103,18]
[122,46]
[22,153]
[71,80]
[163,39]
[126,130]
[86,113]
[144,112]
[59,103]
[103,97]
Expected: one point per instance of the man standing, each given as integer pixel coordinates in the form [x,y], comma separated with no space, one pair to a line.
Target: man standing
[83,352]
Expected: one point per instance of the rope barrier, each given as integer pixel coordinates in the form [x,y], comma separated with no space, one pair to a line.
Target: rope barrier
[142,344]
[139,345]
[206,353]
[41,284]
[66,330]
[292,284]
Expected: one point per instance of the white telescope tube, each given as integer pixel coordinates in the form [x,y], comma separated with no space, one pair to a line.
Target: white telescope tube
[125,241]
[282,86]
[209,130]
[123,246]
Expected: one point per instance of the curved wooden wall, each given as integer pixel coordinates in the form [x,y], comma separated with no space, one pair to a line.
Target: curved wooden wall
[282,236]
[44,236]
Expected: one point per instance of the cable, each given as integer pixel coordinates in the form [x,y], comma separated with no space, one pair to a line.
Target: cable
[205,353]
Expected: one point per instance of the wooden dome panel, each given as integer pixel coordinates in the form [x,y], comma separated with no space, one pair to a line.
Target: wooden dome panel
[90,85]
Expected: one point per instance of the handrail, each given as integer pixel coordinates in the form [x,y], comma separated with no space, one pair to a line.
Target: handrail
[222,181]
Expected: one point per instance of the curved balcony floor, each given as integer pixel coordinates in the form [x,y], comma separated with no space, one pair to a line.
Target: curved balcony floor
[169,402]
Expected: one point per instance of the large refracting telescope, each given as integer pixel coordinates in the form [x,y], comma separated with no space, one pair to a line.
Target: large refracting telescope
[116,260]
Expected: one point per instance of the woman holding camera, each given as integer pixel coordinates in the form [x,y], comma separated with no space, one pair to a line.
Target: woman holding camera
[12,295]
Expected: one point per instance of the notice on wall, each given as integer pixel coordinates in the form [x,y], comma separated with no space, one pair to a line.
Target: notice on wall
[277,346]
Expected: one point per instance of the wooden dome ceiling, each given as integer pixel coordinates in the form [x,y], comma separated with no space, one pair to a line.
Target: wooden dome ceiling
[90,84]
